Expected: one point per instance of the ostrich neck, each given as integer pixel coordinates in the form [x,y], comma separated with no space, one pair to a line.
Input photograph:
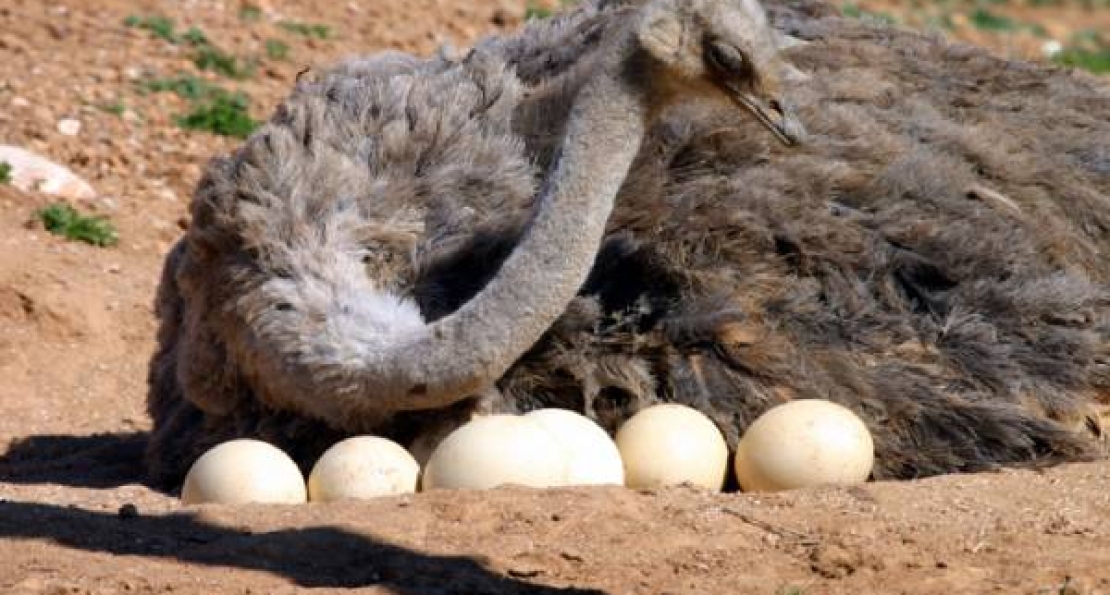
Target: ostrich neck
[471,348]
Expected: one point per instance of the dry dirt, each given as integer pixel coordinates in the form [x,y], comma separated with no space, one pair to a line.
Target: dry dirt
[76,331]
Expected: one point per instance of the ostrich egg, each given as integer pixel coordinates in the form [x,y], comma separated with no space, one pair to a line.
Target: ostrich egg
[591,456]
[671,444]
[242,471]
[363,467]
[804,443]
[495,450]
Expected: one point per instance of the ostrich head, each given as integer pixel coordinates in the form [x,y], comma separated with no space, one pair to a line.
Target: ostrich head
[721,49]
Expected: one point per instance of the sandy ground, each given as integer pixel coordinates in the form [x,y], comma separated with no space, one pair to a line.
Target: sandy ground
[76,332]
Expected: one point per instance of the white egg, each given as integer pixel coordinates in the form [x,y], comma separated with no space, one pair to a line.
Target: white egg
[591,456]
[362,467]
[804,443]
[671,444]
[495,450]
[242,471]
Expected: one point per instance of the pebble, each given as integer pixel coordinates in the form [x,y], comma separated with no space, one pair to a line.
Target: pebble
[69,126]
[33,172]
[128,511]
[1051,47]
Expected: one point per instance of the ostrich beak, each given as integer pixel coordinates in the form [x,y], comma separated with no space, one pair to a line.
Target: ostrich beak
[773,114]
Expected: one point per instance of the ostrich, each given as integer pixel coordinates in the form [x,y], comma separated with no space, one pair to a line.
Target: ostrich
[283,310]
[933,257]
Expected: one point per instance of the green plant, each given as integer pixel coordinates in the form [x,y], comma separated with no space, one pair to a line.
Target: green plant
[194,36]
[209,57]
[163,28]
[534,11]
[941,21]
[276,49]
[1088,49]
[250,14]
[988,21]
[63,220]
[186,86]
[5,172]
[1093,60]
[224,113]
[116,108]
[852,10]
[306,29]
[159,26]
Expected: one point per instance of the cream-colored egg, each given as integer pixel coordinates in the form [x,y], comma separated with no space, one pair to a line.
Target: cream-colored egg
[591,456]
[671,444]
[242,471]
[804,443]
[362,467]
[495,450]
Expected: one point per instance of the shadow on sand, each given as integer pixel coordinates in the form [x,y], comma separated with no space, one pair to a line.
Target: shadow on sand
[310,557]
[96,461]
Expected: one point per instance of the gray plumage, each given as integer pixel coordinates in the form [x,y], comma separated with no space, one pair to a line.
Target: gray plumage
[933,257]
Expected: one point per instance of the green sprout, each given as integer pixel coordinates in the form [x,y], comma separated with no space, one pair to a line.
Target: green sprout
[63,220]
[277,49]
[159,26]
[306,29]
[209,57]
[225,114]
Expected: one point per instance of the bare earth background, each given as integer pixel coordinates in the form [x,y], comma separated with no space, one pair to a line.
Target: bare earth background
[76,331]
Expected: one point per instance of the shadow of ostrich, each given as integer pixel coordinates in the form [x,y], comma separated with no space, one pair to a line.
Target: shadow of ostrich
[315,557]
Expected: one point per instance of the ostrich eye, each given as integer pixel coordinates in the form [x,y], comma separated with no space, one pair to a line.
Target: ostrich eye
[726,58]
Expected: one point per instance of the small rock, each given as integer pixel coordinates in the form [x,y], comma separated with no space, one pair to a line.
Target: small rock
[1051,47]
[57,31]
[69,126]
[109,203]
[115,269]
[30,171]
[20,102]
[128,511]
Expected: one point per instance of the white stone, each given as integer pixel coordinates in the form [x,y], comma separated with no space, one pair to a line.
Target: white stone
[1051,47]
[69,126]
[33,172]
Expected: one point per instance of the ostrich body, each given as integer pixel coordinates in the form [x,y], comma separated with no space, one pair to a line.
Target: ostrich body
[282,315]
[933,257]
